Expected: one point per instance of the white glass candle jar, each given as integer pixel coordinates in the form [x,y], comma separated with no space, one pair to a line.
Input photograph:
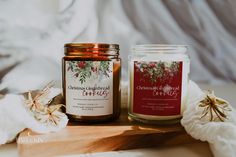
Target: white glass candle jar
[158,83]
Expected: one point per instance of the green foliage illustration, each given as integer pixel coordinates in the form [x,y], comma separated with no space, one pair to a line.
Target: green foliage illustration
[85,69]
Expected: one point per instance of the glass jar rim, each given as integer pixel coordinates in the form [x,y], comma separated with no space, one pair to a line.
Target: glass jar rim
[160,48]
[91,48]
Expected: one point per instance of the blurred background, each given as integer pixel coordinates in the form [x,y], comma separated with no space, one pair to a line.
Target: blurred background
[33,33]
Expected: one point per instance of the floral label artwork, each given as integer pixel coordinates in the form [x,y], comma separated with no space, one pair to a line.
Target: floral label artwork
[83,70]
[157,88]
[89,87]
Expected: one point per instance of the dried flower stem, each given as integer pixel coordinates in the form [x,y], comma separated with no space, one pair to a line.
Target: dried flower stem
[215,107]
[44,113]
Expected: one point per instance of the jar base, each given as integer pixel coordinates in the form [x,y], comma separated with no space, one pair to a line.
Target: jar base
[92,120]
[154,122]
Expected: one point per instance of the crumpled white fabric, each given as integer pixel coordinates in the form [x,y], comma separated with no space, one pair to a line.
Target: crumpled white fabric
[221,136]
[32,74]
[14,118]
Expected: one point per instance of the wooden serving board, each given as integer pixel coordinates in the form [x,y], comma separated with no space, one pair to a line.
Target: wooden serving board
[119,135]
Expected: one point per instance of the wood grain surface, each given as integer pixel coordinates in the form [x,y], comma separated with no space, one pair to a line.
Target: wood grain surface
[119,135]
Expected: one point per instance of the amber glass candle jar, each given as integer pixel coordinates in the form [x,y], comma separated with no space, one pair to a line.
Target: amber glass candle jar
[91,81]
[158,83]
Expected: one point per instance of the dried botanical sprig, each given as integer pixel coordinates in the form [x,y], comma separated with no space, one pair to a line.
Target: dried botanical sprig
[54,114]
[214,107]
[43,94]
[32,104]
[51,115]
[44,110]
[35,100]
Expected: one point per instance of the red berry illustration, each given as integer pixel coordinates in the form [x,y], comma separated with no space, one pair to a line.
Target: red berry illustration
[152,65]
[81,64]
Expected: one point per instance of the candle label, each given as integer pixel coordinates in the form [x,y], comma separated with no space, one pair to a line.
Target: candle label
[89,88]
[157,88]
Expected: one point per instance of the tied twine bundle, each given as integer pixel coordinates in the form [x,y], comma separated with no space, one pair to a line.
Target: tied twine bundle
[215,108]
